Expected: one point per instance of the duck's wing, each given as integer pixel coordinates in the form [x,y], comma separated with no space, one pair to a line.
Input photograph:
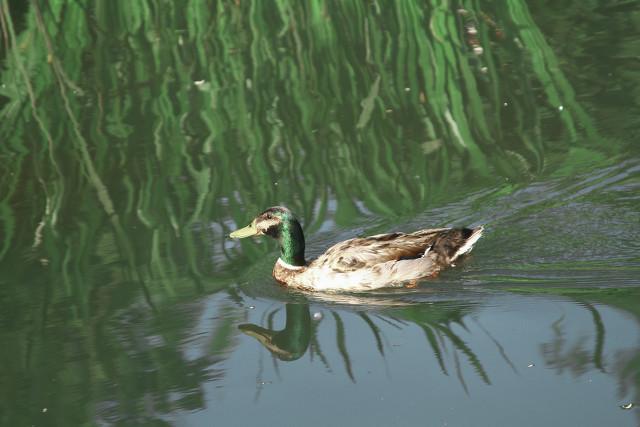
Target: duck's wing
[366,252]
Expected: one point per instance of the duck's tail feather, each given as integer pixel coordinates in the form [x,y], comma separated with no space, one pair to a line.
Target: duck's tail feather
[454,243]
[474,235]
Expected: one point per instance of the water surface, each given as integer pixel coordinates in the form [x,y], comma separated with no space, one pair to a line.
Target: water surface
[135,138]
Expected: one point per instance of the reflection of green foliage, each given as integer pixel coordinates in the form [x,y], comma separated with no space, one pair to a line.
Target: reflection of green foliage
[577,359]
[299,333]
[66,362]
[437,322]
[623,298]
[118,103]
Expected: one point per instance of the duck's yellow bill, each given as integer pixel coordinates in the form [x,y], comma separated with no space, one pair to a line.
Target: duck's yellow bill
[248,231]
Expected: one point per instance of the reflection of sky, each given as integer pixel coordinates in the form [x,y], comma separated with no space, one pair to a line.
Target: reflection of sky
[407,386]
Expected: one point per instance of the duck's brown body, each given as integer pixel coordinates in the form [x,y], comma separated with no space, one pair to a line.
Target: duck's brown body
[384,260]
[359,264]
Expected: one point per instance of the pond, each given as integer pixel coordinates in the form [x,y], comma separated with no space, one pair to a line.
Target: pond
[135,138]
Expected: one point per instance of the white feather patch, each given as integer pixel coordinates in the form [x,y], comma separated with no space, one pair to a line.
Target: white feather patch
[468,245]
[289,266]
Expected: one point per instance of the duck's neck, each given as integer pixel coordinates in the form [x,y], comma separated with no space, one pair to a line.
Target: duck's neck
[291,243]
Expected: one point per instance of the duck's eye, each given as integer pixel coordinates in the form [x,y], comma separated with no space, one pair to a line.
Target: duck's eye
[273,231]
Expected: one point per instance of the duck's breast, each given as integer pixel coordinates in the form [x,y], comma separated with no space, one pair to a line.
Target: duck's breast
[387,274]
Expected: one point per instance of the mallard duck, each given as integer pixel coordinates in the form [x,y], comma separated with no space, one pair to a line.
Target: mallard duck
[362,263]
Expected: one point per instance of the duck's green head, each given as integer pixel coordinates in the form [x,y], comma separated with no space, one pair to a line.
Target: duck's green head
[281,224]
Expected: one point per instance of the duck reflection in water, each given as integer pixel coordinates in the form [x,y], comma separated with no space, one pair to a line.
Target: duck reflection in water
[300,334]
[455,336]
[292,342]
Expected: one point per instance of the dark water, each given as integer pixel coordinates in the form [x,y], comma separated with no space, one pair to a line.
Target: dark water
[134,138]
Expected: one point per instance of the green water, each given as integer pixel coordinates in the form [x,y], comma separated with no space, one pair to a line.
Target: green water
[134,137]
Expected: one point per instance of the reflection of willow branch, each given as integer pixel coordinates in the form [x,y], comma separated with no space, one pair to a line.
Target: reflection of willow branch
[315,346]
[460,345]
[431,337]
[547,68]
[94,177]
[95,180]
[7,218]
[443,344]
[386,320]
[375,330]
[501,350]
[342,346]
[51,54]
[7,24]
[454,109]
[559,355]
[456,361]
[5,31]
[600,334]
[400,321]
